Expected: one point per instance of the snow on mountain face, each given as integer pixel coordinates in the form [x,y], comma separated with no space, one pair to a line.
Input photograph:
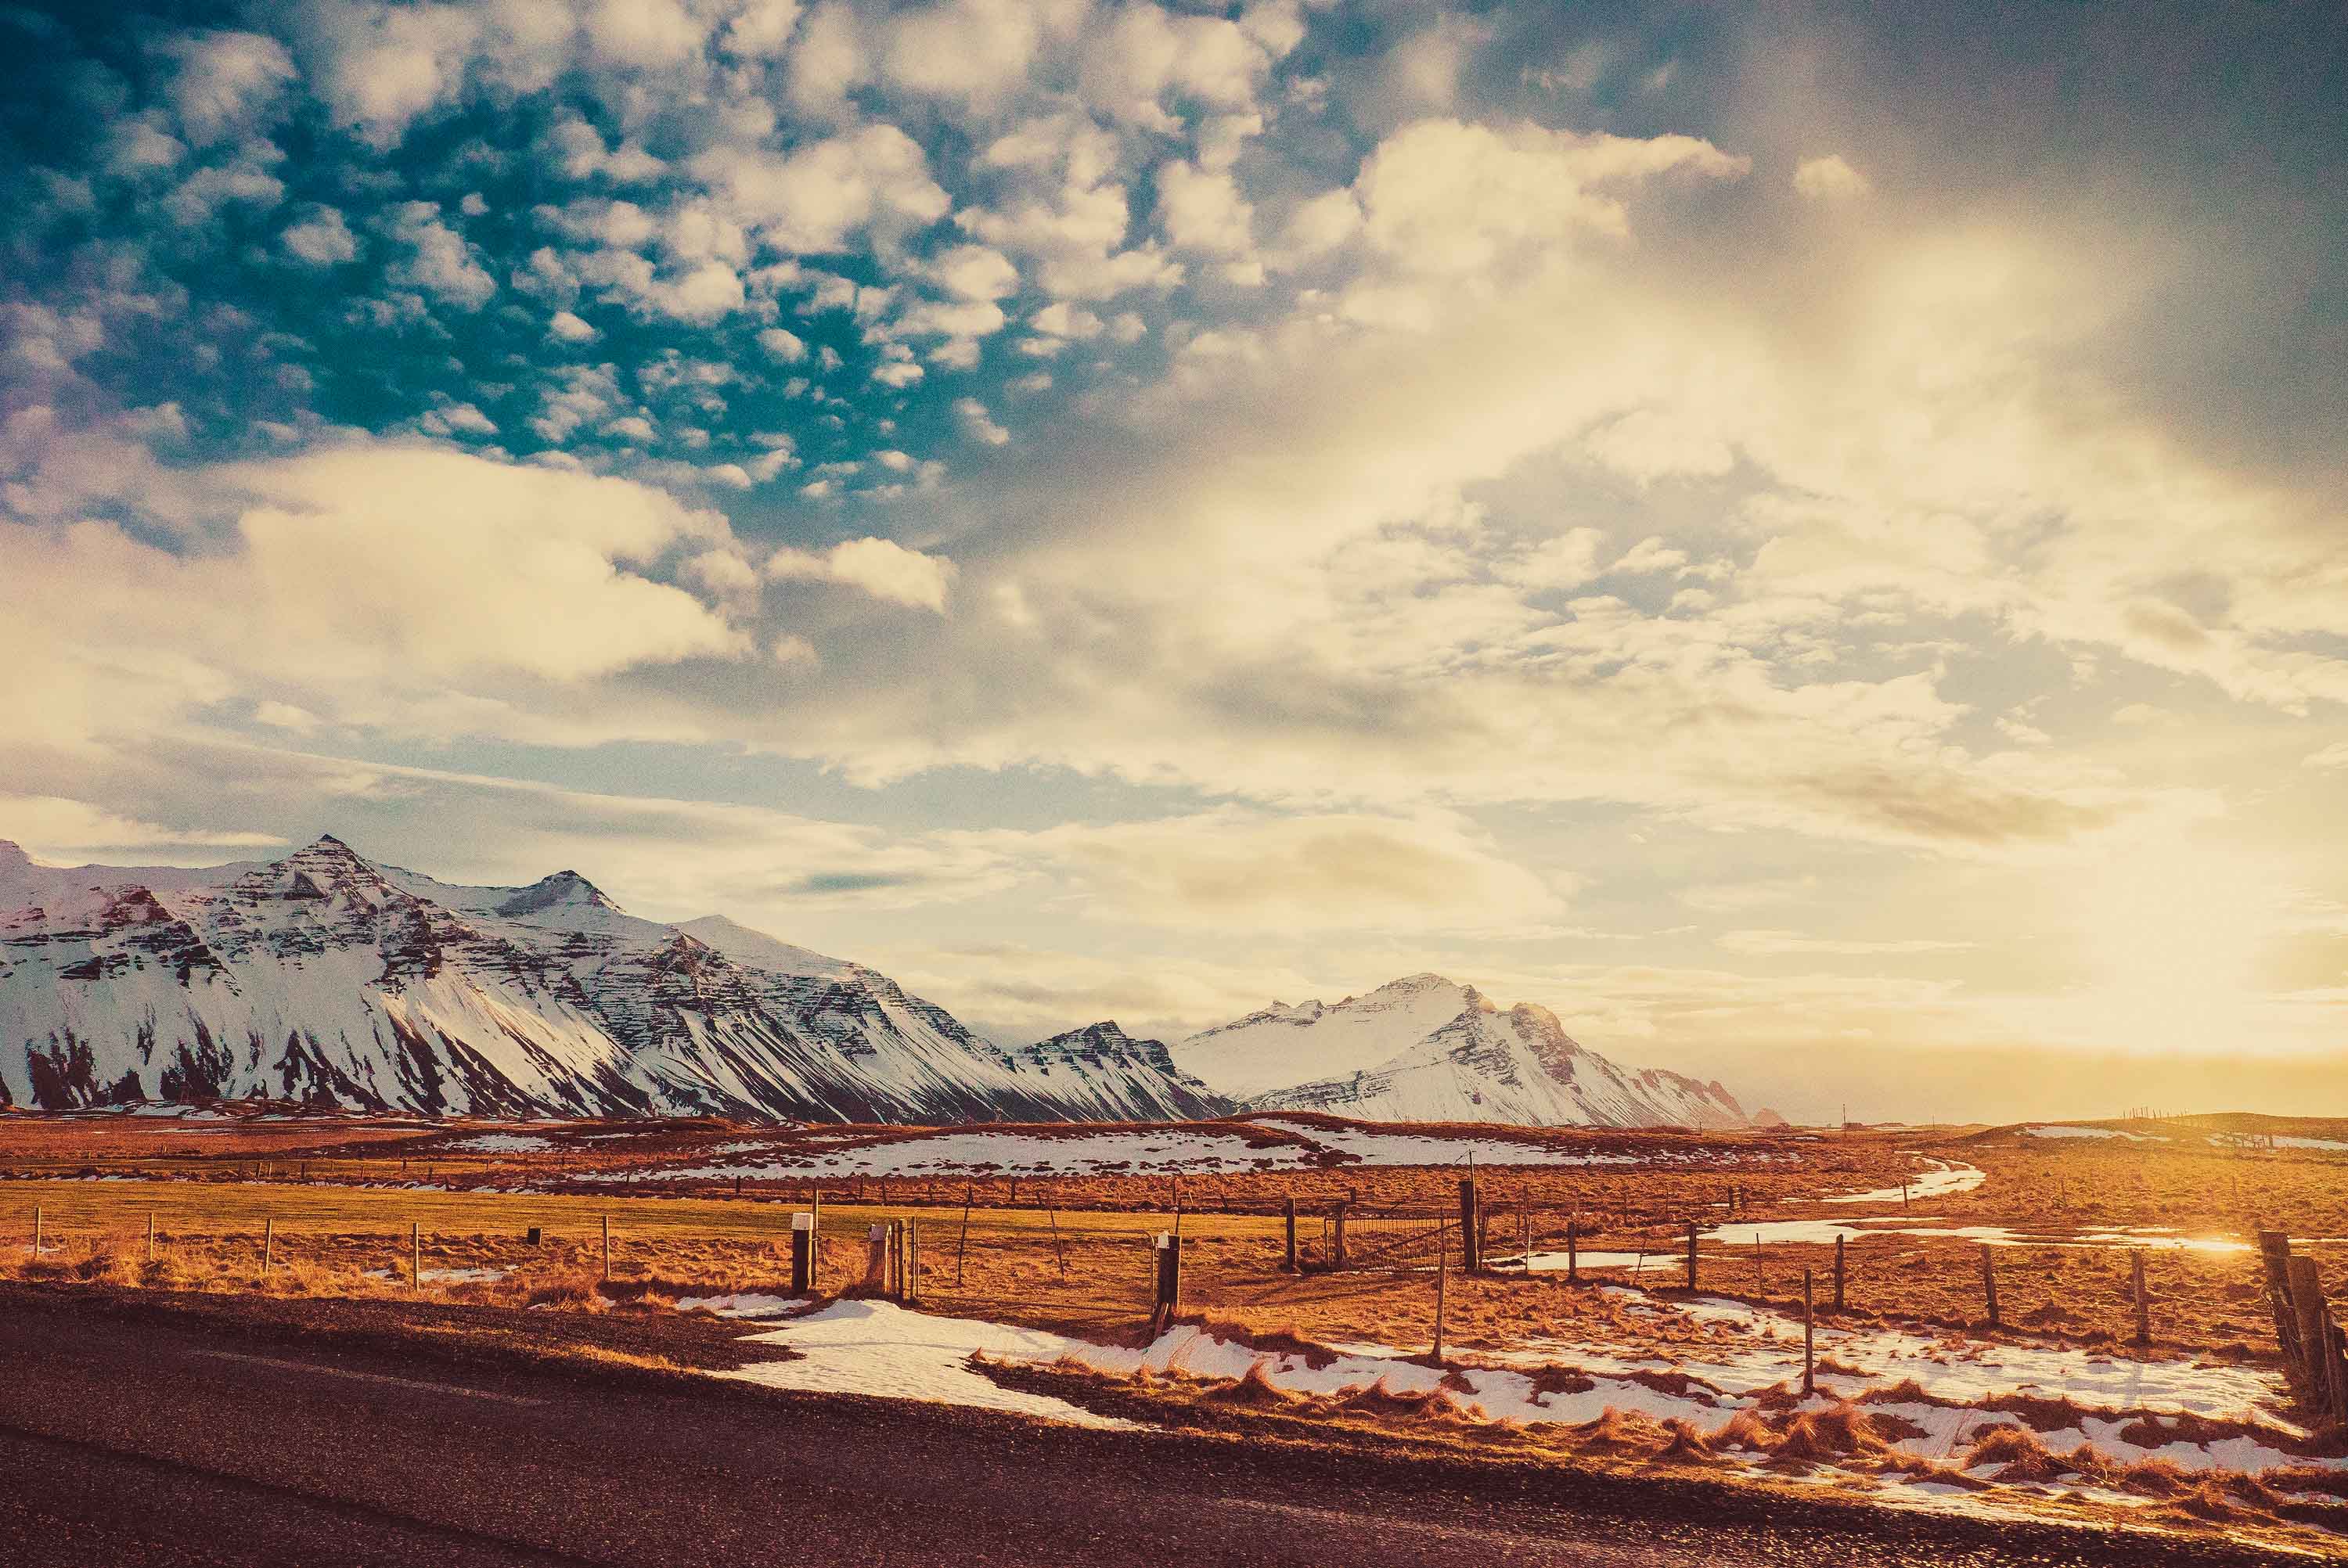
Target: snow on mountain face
[1424,1049]
[1102,1063]
[325,978]
[1283,1045]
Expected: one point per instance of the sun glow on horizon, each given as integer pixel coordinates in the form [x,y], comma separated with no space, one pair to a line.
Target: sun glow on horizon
[2174,935]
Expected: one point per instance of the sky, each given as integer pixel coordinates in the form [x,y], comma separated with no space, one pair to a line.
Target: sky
[1807,539]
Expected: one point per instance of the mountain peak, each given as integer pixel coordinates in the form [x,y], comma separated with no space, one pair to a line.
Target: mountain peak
[563,890]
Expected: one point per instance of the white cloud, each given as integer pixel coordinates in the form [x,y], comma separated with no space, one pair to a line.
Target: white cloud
[228,84]
[978,424]
[1449,198]
[381,66]
[647,34]
[1203,212]
[1829,178]
[440,262]
[783,343]
[386,584]
[568,328]
[322,238]
[873,182]
[761,29]
[882,568]
[54,828]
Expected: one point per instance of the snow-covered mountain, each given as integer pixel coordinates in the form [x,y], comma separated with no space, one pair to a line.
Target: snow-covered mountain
[1426,1048]
[1118,1074]
[326,978]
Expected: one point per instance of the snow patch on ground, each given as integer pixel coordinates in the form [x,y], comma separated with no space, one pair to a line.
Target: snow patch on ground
[879,1349]
[1019,1153]
[1940,1178]
[504,1143]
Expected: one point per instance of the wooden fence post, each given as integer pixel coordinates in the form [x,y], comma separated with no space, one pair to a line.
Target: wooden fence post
[416,1255]
[802,1254]
[1288,1226]
[36,1233]
[1573,1250]
[2337,1365]
[2307,1302]
[1809,1337]
[1525,1236]
[1691,1256]
[912,1263]
[268,1244]
[1165,1273]
[1442,1269]
[2143,1301]
[1471,1242]
[1337,1239]
[1989,1283]
[2274,1254]
[150,1235]
[1838,1241]
[607,1249]
[815,1232]
[969,1195]
[1052,1212]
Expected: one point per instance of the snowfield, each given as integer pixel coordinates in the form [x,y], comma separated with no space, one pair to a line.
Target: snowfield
[2222,1416]
[879,1350]
[1019,1153]
[1088,1151]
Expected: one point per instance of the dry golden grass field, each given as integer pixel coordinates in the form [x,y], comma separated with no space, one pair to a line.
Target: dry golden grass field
[1074,1251]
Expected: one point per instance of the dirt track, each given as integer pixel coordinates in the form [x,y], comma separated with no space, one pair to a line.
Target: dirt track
[136,1436]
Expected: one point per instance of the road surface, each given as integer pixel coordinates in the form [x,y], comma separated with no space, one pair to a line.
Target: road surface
[130,1443]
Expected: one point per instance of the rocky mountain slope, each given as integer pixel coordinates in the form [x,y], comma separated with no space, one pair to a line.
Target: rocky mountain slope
[1102,1061]
[1426,1048]
[325,978]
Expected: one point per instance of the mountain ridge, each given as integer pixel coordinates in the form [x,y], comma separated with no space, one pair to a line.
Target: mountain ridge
[1424,1048]
[328,978]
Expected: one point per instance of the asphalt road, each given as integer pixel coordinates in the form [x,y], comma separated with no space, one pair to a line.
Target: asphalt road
[128,1443]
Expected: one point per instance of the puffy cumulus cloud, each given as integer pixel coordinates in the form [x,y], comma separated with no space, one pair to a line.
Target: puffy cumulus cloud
[1829,178]
[1065,211]
[1204,213]
[882,568]
[974,51]
[379,66]
[1238,870]
[648,33]
[440,262]
[227,84]
[1450,199]
[873,182]
[321,238]
[978,424]
[1143,53]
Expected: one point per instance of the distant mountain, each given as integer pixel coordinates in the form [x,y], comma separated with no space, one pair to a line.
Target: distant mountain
[328,978]
[1426,1048]
[1127,1078]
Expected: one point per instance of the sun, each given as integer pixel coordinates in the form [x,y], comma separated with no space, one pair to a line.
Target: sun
[2174,934]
